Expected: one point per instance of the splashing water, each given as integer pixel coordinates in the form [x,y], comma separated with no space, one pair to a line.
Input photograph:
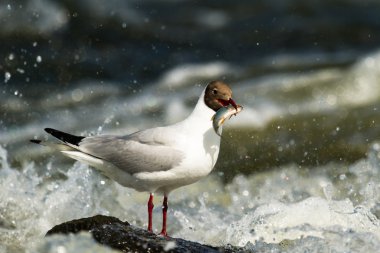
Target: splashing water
[286,209]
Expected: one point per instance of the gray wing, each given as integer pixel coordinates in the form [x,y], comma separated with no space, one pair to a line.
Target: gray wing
[145,151]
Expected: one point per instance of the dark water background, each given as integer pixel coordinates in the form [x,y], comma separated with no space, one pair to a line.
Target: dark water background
[136,41]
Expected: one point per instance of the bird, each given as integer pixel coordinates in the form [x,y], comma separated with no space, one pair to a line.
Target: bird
[155,160]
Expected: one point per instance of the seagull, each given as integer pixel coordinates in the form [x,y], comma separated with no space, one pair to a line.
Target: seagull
[156,160]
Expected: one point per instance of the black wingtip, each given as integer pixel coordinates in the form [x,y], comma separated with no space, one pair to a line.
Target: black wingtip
[65,137]
[50,130]
[36,141]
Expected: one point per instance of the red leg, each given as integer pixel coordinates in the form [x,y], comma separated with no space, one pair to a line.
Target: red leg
[150,214]
[164,212]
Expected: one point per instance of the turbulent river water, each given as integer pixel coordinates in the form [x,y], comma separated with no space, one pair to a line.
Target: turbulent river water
[299,169]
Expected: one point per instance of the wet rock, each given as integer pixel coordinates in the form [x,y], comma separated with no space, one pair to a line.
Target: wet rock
[122,236]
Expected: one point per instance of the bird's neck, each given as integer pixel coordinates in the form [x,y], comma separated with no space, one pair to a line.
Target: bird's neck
[201,117]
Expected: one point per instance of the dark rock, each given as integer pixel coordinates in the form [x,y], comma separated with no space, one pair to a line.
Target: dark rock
[122,236]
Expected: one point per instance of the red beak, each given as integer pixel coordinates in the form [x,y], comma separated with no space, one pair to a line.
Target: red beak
[232,102]
[228,102]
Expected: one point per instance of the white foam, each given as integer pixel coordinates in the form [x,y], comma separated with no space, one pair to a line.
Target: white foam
[82,242]
[289,203]
[362,82]
[285,204]
[314,216]
[31,204]
[187,74]
[34,16]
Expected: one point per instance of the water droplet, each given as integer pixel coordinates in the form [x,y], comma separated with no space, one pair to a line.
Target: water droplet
[61,249]
[9,7]
[77,95]
[170,245]
[21,71]
[192,204]
[108,119]
[38,58]
[35,44]
[16,92]
[7,76]
[11,56]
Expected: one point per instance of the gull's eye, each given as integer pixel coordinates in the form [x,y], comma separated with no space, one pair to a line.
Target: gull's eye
[214,91]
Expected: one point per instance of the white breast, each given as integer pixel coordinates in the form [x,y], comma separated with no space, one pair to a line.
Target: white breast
[196,138]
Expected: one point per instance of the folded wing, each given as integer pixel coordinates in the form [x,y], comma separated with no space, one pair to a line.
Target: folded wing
[140,152]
